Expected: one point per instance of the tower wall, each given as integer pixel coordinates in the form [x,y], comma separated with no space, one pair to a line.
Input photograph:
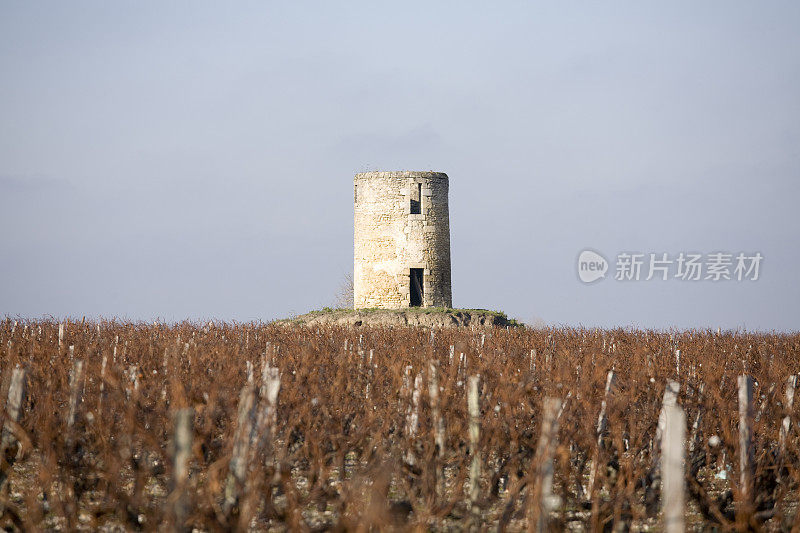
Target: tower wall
[390,239]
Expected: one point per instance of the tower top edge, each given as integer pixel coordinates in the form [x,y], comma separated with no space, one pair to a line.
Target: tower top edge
[401,174]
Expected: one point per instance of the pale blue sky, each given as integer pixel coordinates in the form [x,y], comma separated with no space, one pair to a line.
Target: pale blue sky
[195,159]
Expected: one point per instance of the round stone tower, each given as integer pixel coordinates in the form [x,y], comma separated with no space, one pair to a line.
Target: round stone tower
[402,240]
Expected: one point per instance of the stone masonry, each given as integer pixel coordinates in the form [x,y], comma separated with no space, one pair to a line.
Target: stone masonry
[391,239]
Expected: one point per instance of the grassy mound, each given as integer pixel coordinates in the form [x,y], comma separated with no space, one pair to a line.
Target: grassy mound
[425,316]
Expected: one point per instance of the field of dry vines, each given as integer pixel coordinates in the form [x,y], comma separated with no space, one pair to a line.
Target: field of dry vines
[113,425]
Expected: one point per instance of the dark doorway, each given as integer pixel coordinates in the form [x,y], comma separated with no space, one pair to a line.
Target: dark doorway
[416,287]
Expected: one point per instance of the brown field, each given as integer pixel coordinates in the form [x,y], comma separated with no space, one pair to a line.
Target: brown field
[352,443]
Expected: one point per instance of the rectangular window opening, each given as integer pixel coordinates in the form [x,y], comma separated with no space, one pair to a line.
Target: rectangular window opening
[355,194]
[416,201]
[416,287]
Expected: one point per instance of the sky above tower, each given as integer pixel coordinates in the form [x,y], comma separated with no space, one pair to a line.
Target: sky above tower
[195,160]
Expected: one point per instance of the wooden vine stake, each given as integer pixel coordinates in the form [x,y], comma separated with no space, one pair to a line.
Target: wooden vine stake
[16,392]
[786,423]
[75,389]
[543,500]
[165,374]
[672,468]
[412,420]
[746,462]
[181,453]
[602,423]
[437,422]
[405,391]
[473,407]
[268,414]
[436,415]
[249,371]
[241,449]
[100,396]
[694,440]
[369,375]
[670,399]
[261,437]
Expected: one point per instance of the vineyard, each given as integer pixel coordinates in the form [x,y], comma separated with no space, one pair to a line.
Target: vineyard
[133,426]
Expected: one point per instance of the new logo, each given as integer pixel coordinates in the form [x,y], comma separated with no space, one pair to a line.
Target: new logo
[591,266]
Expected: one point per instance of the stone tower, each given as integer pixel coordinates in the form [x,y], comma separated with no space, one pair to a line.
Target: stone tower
[402,240]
